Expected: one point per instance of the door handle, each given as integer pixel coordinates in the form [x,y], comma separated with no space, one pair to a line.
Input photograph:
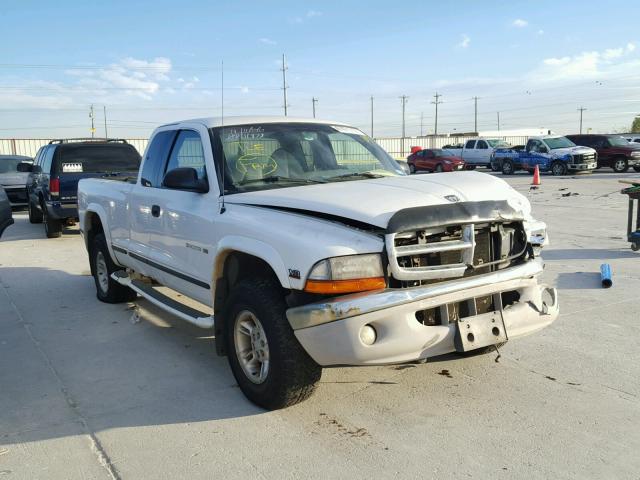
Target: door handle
[155,210]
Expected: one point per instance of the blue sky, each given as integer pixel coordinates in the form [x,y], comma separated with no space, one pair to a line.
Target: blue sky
[154,62]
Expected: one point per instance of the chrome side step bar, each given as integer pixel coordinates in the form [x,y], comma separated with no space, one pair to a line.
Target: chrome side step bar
[191,315]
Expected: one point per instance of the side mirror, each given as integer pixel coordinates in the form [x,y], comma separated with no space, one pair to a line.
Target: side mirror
[25,167]
[185,178]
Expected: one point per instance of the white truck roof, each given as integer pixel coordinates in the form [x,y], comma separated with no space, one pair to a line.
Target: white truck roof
[211,122]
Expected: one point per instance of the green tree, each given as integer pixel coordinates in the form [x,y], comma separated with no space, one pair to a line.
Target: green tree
[635,126]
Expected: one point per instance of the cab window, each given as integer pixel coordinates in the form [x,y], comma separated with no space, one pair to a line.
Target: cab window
[187,152]
[482,145]
[155,157]
[470,144]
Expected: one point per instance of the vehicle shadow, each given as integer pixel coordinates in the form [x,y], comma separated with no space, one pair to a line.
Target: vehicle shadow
[65,356]
[587,254]
[578,281]
[23,230]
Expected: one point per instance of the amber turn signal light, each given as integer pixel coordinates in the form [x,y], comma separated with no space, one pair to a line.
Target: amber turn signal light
[344,286]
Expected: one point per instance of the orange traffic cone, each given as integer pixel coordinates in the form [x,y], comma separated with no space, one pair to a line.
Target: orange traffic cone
[536,176]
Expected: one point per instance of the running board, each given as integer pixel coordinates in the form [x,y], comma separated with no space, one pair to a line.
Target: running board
[167,304]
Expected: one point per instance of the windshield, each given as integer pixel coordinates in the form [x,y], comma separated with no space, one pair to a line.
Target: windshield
[618,142]
[276,155]
[498,144]
[558,142]
[10,165]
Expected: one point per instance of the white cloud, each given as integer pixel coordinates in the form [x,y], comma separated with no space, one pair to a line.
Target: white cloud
[244,89]
[540,32]
[464,43]
[267,41]
[519,23]
[313,13]
[586,64]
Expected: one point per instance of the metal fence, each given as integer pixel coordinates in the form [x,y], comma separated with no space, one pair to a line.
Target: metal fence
[397,147]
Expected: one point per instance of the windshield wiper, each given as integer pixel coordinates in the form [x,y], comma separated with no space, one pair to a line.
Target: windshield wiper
[278,178]
[356,174]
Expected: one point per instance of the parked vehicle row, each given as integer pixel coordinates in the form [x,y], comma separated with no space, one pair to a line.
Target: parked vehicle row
[52,179]
[555,154]
[613,151]
[478,152]
[313,248]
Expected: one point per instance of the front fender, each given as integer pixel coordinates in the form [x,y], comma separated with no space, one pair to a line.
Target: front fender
[251,246]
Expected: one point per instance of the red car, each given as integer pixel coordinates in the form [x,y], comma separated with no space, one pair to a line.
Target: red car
[434,160]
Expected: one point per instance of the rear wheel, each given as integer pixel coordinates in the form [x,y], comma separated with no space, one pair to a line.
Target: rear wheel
[269,364]
[52,226]
[507,167]
[102,266]
[620,165]
[558,168]
[35,215]
[412,168]
[495,166]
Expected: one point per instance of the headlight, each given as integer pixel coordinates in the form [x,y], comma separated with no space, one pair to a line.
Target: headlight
[351,273]
[635,154]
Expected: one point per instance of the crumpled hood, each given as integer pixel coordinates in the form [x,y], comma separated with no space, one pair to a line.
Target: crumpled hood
[561,152]
[13,178]
[374,201]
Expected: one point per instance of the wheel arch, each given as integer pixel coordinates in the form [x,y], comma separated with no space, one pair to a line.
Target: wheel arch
[93,222]
[239,258]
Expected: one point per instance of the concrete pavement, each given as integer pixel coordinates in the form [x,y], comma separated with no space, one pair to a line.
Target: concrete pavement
[87,393]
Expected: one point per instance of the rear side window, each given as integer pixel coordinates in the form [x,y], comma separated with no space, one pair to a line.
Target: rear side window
[47,158]
[155,158]
[482,145]
[470,144]
[96,159]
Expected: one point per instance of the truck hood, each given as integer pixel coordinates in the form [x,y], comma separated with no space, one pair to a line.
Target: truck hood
[561,152]
[13,178]
[374,201]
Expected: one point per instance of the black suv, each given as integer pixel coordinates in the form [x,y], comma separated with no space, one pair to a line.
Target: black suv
[52,185]
[613,151]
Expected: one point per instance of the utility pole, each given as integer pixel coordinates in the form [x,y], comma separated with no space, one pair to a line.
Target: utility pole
[475,114]
[284,82]
[314,100]
[403,99]
[498,120]
[371,116]
[93,129]
[581,109]
[104,110]
[436,102]
[421,124]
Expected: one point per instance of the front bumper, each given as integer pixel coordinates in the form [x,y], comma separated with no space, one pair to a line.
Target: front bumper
[330,331]
[580,167]
[17,194]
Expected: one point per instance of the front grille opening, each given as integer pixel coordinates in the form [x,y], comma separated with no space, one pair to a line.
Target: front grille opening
[452,312]
[510,298]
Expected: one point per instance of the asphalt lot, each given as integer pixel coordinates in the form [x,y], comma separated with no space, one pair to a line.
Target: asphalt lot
[87,393]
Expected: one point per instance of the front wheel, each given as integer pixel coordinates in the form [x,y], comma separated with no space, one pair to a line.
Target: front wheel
[269,364]
[507,167]
[102,266]
[439,168]
[620,165]
[558,168]
[412,168]
[636,168]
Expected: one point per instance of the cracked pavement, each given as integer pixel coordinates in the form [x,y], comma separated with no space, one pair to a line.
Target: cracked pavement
[87,393]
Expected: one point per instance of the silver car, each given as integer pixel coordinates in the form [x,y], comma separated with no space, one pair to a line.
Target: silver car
[13,181]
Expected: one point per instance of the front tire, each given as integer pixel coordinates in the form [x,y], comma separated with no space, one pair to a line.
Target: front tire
[558,169]
[52,226]
[438,168]
[412,168]
[102,266]
[507,167]
[620,165]
[35,215]
[269,364]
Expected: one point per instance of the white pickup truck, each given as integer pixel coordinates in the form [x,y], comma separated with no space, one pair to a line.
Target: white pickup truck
[478,152]
[311,248]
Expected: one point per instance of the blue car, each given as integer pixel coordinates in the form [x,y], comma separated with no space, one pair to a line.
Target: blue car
[52,185]
[554,154]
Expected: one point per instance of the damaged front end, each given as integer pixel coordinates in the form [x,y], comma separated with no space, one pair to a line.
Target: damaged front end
[461,276]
